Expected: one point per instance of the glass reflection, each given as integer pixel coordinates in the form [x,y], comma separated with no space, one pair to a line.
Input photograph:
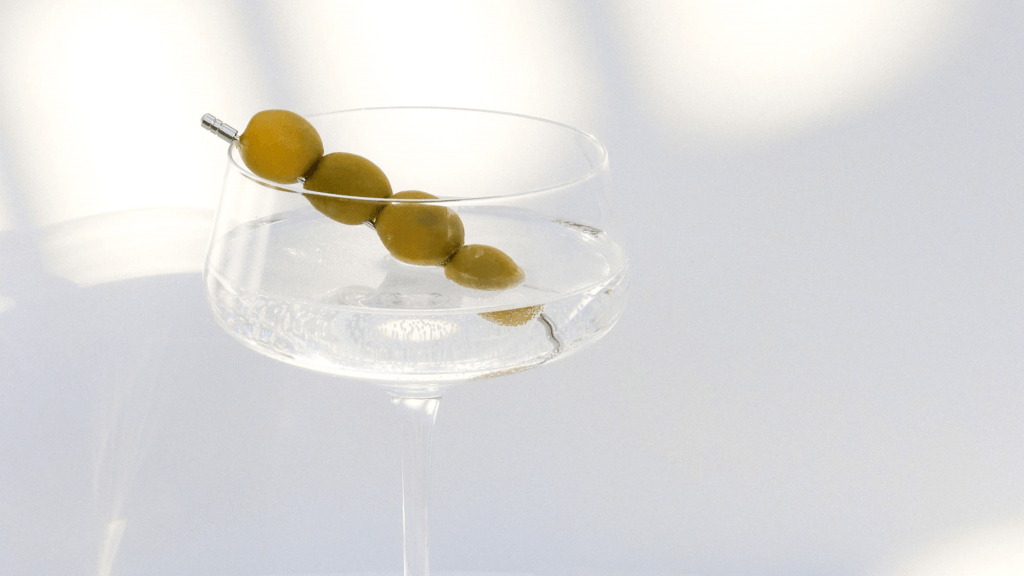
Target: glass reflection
[128,244]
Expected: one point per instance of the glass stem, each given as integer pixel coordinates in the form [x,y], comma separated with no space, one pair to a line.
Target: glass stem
[417,419]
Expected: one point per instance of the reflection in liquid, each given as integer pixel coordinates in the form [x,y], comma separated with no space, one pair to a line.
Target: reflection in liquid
[418,329]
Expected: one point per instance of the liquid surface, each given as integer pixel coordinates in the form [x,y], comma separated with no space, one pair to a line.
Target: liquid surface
[303,289]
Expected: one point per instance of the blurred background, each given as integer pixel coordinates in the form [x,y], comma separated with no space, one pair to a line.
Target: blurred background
[819,373]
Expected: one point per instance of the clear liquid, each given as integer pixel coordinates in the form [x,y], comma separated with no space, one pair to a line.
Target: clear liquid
[312,292]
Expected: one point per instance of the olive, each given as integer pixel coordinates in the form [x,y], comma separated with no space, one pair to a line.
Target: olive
[421,234]
[280,145]
[347,175]
[513,317]
[483,268]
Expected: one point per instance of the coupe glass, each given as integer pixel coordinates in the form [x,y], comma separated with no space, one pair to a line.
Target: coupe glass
[299,287]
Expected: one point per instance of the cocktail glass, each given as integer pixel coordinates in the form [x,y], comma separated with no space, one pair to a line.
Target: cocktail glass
[295,285]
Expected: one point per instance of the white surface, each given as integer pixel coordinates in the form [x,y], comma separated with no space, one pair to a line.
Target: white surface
[819,373]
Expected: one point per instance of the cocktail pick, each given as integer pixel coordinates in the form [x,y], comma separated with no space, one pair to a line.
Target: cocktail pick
[226,133]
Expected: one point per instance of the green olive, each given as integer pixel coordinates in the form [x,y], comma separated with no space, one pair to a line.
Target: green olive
[347,175]
[280,145]
[421,234]
[483,268]
[513,317]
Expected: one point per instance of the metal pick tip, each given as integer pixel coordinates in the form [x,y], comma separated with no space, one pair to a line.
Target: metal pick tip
[225,132]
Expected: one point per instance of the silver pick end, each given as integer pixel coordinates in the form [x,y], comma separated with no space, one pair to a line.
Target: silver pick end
[226,133]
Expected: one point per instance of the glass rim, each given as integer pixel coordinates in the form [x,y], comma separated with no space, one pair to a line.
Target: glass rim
[234,160]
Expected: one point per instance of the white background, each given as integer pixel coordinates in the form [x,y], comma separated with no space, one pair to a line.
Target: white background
[819,372]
